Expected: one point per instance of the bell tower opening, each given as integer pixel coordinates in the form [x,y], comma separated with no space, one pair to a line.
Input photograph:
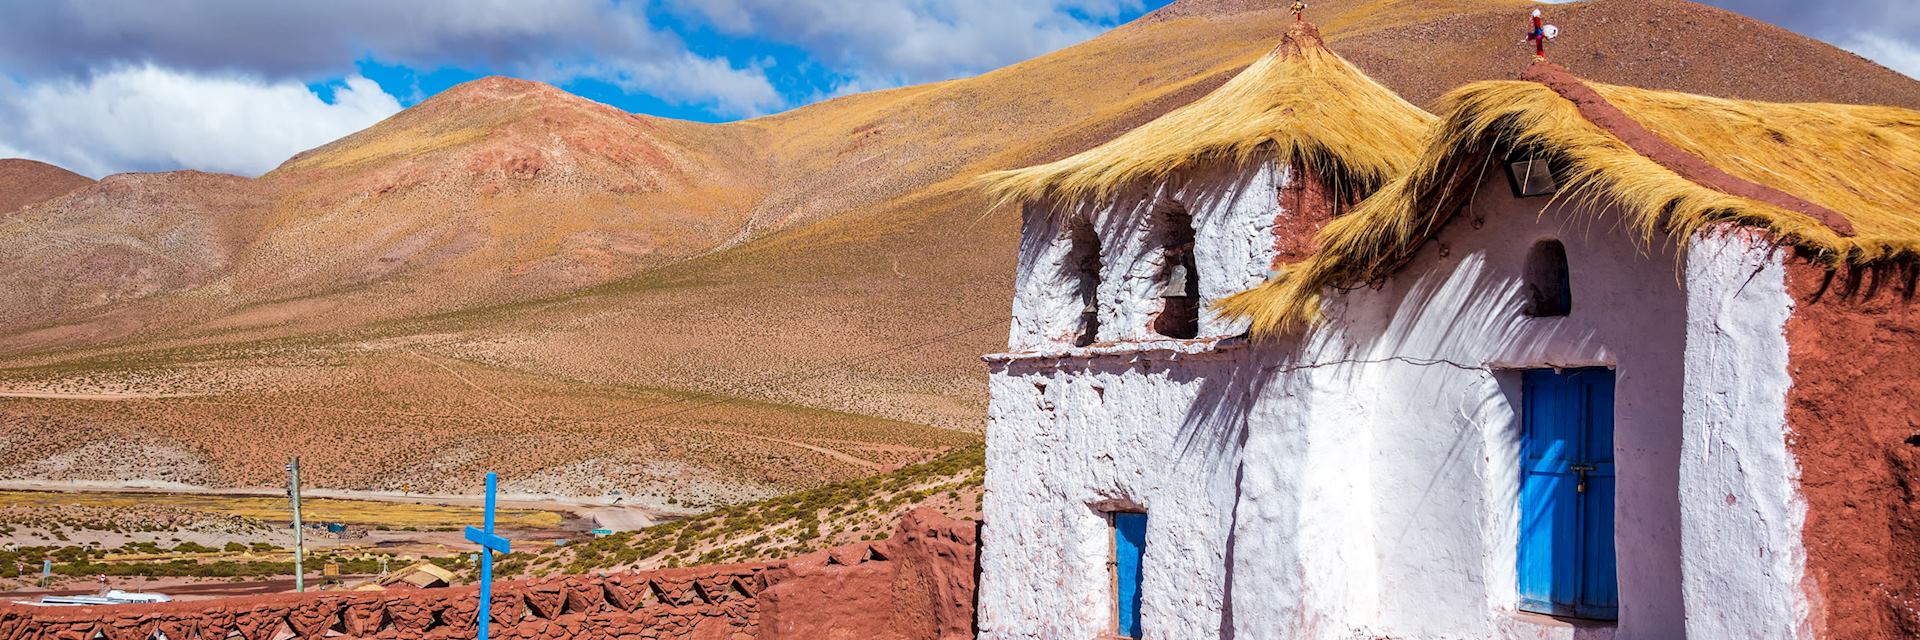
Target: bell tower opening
[1083,263]
[1179,316]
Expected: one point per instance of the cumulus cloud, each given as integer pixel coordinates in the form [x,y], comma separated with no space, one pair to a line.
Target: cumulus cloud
[115,85]
[305,38]
[552,40]
[878,44]
[148,118]
[686,79]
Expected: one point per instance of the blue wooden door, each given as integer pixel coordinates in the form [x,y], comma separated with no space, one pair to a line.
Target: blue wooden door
[1566,494]
[1129,549]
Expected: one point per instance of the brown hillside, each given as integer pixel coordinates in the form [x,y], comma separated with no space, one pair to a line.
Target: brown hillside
[508,250]
[85,254]
[26,182]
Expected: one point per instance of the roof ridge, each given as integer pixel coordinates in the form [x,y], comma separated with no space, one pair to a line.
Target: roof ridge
[1595,108]
[1300,36]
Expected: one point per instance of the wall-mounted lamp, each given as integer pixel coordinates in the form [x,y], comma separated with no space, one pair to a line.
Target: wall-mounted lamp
[1531,177]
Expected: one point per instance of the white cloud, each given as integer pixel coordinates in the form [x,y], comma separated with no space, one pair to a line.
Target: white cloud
[553,40]
[683,79]
[1898,55]
[290,39]
[149,118]
[887,44]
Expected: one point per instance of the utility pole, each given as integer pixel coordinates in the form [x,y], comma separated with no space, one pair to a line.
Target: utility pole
[299,530]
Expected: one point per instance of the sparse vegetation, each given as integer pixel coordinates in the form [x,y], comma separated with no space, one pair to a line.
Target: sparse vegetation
[421,428]
[788,525]
[232,515]
[189,560]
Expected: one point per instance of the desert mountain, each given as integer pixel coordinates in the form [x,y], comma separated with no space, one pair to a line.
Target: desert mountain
[767,304]
[25,182]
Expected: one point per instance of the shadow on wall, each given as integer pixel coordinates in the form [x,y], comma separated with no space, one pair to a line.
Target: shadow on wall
[917,585]
[1444,342]
[1215,431]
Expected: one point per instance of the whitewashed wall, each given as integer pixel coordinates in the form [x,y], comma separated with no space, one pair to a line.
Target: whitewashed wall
[1069,439]
[1233,212]
[1744,560]
[1435,355]
[1366,485]
[1138,422]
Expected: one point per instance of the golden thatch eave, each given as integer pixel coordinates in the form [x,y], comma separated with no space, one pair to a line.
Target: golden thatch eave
[1860,161]
[1301,103]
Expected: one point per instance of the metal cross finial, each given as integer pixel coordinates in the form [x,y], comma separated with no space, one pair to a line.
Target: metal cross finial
[1299,11]
[1539,35]
[489,545]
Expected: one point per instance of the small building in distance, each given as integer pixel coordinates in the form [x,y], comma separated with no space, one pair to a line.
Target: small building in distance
[1570,361]
[419,575]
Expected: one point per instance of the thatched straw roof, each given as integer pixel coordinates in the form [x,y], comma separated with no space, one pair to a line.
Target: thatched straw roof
[1300,101]
[1839,183]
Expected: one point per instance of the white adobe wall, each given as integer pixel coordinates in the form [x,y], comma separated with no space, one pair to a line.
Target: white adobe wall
[1233,210]
[1071,438]
[1365,484]
[1419,379]
[1743,514]
[1438,348]
[1142,422]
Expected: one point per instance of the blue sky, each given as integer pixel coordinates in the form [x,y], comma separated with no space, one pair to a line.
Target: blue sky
[799,69]
[103,86]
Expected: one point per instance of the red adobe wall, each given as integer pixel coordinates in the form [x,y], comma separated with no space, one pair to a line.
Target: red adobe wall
[1306,205]
[1855,403]
[917,585]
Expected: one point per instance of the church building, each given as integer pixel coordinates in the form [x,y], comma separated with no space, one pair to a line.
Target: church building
[1571,360]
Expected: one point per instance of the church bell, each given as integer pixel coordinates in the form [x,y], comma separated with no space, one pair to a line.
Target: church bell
[1179,278]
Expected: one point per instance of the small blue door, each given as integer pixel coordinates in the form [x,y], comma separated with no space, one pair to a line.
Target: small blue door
[1129,549]
[1566,494]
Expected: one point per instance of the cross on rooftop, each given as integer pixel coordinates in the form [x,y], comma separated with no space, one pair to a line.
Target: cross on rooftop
[1299,11]
[1539,35]
[489,544]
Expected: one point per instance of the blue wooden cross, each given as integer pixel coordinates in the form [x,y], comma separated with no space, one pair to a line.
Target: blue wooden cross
[489,544]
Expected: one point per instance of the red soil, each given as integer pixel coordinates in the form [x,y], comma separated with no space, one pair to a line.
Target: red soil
[1855,418]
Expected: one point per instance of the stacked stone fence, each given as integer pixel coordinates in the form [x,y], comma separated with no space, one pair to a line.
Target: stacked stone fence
[917,585]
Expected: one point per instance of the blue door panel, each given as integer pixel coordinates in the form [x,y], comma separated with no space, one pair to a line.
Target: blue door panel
[1566,555]
[1129,548]
[1547,533]
[1595,388]
[1599,595]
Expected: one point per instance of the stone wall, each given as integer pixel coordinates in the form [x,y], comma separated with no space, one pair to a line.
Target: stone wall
[917,585]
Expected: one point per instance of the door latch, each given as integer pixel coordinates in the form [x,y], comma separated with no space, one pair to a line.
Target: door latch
[1581,469]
